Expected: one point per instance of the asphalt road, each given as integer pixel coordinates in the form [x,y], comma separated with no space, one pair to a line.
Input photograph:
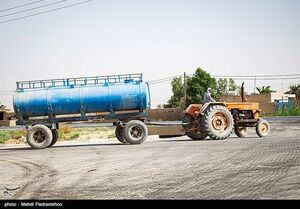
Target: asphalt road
[169,168]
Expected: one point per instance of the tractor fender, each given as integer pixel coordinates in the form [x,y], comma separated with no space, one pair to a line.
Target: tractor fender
[195,109]
[209,104]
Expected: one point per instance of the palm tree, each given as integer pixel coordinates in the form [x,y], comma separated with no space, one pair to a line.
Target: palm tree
[264,90]
[2,107]
[294,89]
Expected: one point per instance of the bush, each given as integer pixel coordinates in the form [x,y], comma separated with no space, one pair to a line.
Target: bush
[111,135]
[66,129]
[294,111]
[74,135]
[4,136]
[18,134]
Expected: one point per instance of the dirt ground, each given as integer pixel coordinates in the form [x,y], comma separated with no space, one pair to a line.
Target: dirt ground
[168,168]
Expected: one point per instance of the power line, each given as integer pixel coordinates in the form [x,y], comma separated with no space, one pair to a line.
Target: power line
[171,77]
[23,5]
[34,8]
[161,80]
[267,79]
[71,5]
[250,76]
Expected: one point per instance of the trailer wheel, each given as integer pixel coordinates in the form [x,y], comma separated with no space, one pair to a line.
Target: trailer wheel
[262,128]
[135,132]
[54,137]
[218,122]
[39,136]
[120,135]
[240,131]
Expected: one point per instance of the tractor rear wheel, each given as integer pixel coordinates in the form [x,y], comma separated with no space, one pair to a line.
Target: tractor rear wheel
[218,122]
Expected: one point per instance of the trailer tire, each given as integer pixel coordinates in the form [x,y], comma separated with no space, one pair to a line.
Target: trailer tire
[135,132]
[120,135]
[39,136]
[54,137]
[218,122]
[240,131]
[262,128]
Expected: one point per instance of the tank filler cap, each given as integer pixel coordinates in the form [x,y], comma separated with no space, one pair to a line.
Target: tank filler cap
[128,80]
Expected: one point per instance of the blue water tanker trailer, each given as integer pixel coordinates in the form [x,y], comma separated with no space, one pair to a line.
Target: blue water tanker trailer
[41,105]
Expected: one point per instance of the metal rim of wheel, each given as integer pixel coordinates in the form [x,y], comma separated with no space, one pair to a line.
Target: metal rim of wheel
[263,128]
[39,136]
[136,132]
[220,122]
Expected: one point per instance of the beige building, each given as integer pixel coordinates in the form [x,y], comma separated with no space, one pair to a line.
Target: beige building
[6,118]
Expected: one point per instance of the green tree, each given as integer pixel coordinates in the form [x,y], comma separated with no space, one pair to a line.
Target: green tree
[197,85]
[178,92]
[264,90]
[294,89]
[232,85]
[222,87]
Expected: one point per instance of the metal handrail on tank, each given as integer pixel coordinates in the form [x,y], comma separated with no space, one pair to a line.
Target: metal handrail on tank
[79,81]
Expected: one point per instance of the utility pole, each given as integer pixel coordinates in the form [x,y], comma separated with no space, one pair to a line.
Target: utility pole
[254,83]
[184,87]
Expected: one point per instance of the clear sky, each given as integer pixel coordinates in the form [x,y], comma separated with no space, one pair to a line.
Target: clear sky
[159,38]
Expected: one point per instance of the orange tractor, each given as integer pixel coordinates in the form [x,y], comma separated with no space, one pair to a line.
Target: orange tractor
[218,119]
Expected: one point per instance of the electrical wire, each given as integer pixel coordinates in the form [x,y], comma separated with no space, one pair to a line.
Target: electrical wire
[52,10]
[34,8]
[23,5]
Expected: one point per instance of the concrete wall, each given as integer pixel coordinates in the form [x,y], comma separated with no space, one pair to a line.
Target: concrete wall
[166,130]
[7,122]
[165,114]
[260,98]
[267,108]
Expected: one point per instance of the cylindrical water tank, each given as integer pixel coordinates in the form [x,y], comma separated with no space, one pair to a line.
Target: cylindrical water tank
[82,99]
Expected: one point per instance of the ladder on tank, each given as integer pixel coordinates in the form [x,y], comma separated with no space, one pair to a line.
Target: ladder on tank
[79,81]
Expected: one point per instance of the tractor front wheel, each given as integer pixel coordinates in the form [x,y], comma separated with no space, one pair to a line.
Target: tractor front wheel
[262,128]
